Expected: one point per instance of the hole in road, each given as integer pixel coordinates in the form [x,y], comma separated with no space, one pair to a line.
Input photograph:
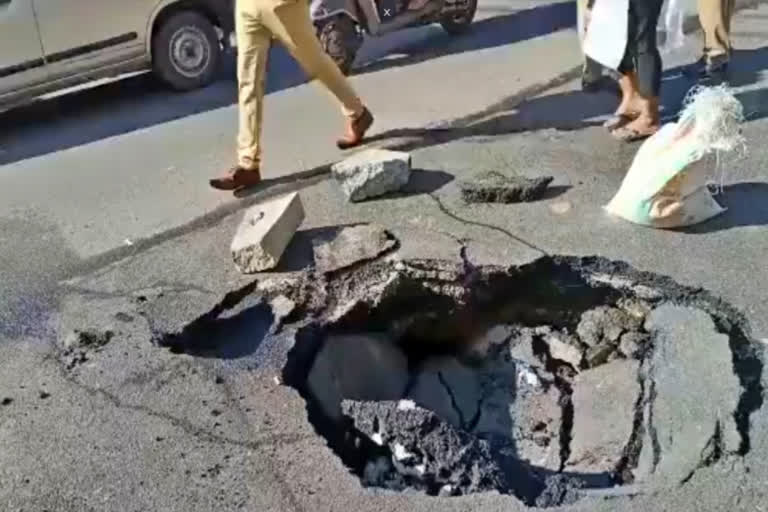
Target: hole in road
[539,382]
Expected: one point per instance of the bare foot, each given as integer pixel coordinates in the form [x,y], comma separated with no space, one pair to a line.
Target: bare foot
[639,129]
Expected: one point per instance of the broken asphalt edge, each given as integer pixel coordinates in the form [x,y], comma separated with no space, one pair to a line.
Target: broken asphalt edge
[315,313]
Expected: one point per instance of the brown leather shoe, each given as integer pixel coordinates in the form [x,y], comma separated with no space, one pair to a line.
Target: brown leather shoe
[356,129]
[235,178]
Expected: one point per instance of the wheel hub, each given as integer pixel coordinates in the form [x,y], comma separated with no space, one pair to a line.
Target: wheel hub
[190,51]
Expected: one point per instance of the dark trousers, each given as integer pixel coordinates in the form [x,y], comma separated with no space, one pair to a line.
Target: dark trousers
[642,55]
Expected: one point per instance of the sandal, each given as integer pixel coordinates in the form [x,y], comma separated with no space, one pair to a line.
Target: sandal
[625,134]
[619,120]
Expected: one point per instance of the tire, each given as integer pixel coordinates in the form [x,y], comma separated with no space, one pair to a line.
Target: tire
[339,39]
[459,24]
[186,51]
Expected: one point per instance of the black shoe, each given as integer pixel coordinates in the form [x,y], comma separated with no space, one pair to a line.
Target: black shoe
[710,67]
[715,65]
[708,70]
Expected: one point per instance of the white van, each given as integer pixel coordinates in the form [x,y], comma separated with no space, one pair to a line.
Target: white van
[48,45]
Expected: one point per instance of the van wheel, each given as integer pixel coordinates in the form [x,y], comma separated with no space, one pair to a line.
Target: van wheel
[186,52]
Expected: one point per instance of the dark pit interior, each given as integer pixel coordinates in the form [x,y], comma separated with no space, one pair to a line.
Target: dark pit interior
[534,381]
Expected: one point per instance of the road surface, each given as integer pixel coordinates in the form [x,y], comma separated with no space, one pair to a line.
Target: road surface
[92,184]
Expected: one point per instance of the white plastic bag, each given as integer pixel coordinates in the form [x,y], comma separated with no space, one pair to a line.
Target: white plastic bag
[673,15]
[606,37]
[666,186]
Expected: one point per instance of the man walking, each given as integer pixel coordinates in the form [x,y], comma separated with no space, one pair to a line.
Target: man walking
[257,22]
[715,19]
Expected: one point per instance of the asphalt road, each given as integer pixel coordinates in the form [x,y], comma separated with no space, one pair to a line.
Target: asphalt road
[101,169]
[139,428]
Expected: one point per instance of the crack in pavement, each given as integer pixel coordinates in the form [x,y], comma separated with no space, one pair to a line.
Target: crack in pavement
[454,403]
[284,440]
[710,453]
[165,287]
[503,231]
[634,445]
[655,444]
[229,301]
[185,425]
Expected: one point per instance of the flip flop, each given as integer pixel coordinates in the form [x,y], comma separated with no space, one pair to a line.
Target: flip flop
[625,134]
[618,121]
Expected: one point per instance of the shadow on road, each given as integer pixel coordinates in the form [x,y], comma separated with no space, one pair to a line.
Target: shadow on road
[138,102]
[747,205]
[234,335]
[573,110]
[486,33]
[422,181]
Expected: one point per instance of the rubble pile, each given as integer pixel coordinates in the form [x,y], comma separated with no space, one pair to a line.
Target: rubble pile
[541,404]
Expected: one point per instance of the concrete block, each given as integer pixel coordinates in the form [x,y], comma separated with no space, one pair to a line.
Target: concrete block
[265,232]
[604,400]
[372,173]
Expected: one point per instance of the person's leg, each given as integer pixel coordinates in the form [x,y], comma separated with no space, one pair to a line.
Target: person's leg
[715,19]
[628,108]
[648,65]
[289,21]
[253,42]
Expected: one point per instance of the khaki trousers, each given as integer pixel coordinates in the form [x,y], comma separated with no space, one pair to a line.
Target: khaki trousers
[715,19]
[257,23]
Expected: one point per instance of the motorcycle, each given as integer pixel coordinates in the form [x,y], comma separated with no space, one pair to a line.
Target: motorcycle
[341,24]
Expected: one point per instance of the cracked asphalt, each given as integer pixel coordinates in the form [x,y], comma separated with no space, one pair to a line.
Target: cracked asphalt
[132,426]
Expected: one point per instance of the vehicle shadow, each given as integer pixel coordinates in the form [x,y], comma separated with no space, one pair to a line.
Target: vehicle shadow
[119,107]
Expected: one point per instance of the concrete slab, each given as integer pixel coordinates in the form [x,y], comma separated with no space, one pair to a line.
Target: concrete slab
[265,232]
[604,400]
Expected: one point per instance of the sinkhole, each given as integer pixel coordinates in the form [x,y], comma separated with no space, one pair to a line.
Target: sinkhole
[543,381]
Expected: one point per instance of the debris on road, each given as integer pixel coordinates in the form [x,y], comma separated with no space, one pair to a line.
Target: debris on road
[428,454]
[372,173]
[87,339]
[564,351]
[79,344]
[265,232]
[495,187]
[350,245]
[570,384]
[605,325]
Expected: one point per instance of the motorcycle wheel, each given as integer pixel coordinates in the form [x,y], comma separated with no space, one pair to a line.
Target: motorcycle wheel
[456,24]
[339,39]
